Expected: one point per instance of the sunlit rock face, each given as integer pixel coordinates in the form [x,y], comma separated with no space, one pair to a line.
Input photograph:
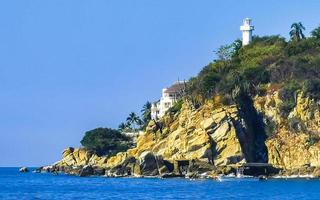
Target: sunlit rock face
[210,134]
[80,157]
[217,135]
[295,139]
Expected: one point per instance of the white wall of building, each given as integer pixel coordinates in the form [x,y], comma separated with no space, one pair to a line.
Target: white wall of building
[158,109]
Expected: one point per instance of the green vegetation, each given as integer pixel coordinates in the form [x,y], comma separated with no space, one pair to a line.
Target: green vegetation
[316,33]
[241,72]
[135,123]
[146,114]
[176,107]
[106,141]
[132,124]
[238,74]
[288,94]
[312,88]
[296,32]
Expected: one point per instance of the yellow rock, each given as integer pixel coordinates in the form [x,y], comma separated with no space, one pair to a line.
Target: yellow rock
[190,136]
[287,148]
[210,134]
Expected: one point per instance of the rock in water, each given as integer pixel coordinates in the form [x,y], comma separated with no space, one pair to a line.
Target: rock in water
[262,178]
[127,168]
[23,169]
[97,171]
[152,165]
[87,170]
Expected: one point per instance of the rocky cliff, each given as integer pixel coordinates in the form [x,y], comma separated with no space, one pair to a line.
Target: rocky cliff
[215,139]
[294,142]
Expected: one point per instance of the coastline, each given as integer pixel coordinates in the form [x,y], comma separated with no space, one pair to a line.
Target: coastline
[203,176]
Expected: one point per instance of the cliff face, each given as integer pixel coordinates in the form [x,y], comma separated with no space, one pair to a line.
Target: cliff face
[206,134]
[295,141]
[214,136]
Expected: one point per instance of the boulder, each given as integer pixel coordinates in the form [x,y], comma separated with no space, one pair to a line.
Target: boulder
[127,168]
[72,170]
[148,164]
[152,165]
[23,169]
[226,170]
[316,172]
[198,166]
[97,171]
[49,168]
[87,170]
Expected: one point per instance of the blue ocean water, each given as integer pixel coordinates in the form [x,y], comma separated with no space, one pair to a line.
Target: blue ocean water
[15,185]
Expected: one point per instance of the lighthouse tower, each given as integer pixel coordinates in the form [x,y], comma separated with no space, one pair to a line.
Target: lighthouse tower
[246,29]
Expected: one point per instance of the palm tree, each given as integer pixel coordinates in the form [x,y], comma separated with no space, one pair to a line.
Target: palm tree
[146,112]
[141,123]
[128,125]
[316,33]
[296,32]
[133,119]
[122,127]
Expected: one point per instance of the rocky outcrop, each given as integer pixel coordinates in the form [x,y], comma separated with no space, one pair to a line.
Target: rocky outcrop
[147,164]
[151,165]
[87,170]
[23,169]
[208,134]
[213,135]
[289,151]
[214,139]
[80,157]
[78,162]
[294,140]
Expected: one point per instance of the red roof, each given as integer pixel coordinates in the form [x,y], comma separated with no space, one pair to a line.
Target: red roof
[175,88]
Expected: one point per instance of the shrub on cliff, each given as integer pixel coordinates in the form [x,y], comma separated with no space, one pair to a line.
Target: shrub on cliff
[106,141]
[176,107]
[260,49]
[267,59]
[247,66]
[288,95]
[312,88]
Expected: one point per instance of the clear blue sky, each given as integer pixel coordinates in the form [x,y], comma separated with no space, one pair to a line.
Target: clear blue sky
[68,66]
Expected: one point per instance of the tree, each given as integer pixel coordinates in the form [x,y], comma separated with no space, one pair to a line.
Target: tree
[296,32]
[146,113]
[237,44]
[225,52]
[133,120]
[105,141]
[122,127]
[316,33]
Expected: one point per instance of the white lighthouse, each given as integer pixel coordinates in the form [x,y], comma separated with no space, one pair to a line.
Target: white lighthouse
[246,29]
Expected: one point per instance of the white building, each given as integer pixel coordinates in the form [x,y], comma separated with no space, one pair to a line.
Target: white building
[169,96]
[246,29]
